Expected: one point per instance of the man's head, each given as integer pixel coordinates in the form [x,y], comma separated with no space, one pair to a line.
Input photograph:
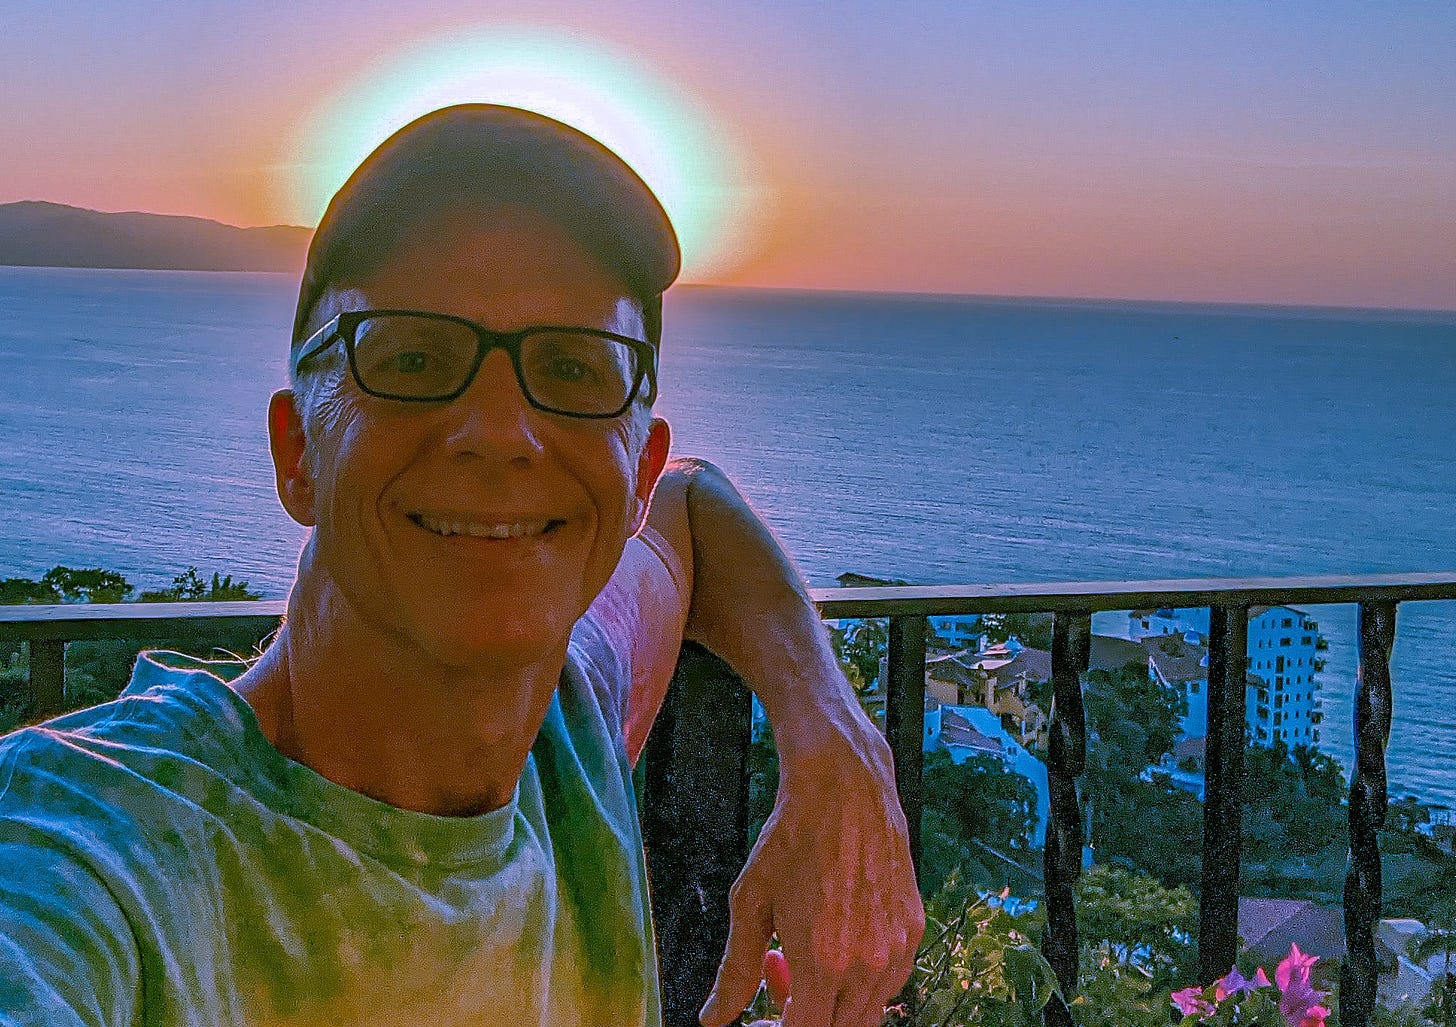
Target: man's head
[495,221]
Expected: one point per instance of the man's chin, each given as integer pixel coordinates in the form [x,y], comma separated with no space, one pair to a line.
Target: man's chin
[492,647]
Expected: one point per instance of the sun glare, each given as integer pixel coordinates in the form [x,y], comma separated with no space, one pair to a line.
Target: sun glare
[681,151]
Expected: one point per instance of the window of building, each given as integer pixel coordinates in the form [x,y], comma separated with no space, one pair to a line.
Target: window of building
[1285,641]
[1288,623]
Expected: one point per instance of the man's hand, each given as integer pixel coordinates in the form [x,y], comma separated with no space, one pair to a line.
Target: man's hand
[831,876]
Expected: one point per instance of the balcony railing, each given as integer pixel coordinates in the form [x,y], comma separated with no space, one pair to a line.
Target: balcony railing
[695,810]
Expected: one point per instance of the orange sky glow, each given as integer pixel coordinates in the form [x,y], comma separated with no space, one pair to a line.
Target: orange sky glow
[1197,152]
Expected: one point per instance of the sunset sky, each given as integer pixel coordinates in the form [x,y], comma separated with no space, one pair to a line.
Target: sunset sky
[1256,152]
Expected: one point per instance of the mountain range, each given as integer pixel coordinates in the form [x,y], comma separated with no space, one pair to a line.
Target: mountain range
[35,233]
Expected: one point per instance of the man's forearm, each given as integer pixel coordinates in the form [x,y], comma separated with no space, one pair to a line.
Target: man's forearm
[830,875]
[749,605]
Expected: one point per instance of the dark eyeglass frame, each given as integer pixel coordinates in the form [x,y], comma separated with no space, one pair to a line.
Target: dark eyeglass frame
[345,326]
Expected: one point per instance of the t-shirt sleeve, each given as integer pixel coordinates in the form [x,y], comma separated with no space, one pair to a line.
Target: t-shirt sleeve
[67,954]
[604,668]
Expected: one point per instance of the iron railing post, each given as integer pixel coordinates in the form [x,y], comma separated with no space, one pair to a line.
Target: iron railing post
[695,823]
[905,718]
[1066,759]
[1367,813]
[1223,805]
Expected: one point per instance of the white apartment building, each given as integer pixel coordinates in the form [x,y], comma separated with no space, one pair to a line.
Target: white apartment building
[1283,697]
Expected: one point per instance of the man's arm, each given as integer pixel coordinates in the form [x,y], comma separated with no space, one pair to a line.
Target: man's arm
[67,956]
[831,872]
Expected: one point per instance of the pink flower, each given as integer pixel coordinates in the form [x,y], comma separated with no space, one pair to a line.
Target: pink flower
[1190,1002]
[1298,1001]
[1314,1016]
[1294,967]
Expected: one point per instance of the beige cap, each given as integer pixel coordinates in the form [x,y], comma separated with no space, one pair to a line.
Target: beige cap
[492,153]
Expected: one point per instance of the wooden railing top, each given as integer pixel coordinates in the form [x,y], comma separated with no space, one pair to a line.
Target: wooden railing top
[76,622]
[79,621]
[1094,596]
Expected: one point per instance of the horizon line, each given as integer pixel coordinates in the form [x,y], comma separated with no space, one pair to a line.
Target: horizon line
[816,290]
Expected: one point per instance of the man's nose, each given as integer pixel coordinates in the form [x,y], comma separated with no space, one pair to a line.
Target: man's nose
[493,418]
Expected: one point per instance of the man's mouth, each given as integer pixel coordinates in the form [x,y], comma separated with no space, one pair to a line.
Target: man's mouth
[449,526]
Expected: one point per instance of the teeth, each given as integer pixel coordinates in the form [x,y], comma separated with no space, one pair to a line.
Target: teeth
[520,529]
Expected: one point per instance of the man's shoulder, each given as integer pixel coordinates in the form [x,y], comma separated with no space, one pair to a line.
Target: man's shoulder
[175,708]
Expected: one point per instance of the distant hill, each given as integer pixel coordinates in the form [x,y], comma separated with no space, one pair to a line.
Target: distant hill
[34,233]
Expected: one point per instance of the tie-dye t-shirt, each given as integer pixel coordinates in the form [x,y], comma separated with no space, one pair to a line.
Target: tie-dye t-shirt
[161,863]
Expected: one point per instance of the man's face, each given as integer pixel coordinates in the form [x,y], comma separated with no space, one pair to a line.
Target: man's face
[391,483]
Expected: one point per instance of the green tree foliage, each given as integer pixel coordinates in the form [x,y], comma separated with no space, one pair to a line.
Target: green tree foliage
[1406,814]
[861,645]
[1114,993]
[1132,721]
[189,587]
[1134,716]
[981,799]
[977,965]
[1440,940]
[1034,629]
[1136,920]
[967,808]
[88,585]
[24,591]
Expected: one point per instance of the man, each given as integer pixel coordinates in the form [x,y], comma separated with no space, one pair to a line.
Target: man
[416,806]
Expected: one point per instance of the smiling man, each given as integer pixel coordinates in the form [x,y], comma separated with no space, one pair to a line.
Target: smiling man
[416,806]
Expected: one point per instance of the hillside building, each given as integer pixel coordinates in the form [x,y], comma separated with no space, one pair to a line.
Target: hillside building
[1283,696]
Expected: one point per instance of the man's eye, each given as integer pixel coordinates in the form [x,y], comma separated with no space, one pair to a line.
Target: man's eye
[411,361]
[568,369]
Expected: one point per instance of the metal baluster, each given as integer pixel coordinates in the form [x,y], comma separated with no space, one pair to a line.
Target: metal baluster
[1223,805]
[695,823]
[905,718]
[1066,758]
[47,677]
[1367,813]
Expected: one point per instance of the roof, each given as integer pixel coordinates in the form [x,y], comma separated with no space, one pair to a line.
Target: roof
[1259,611]
[957,730]
[1185,747]
[1036,664]
[1176,659]
[1267,927]
[850,579]
[951,668]
[1112,653]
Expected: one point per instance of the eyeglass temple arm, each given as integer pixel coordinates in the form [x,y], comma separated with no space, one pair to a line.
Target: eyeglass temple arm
[328,333]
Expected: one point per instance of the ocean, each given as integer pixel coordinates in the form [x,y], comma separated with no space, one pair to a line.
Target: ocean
[934,439]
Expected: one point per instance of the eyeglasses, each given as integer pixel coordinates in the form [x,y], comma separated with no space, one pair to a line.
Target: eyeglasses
[422,357]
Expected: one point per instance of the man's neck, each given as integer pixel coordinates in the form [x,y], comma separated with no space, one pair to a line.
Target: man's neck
[372,713]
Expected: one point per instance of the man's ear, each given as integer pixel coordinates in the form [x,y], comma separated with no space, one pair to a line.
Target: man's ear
[650,463]
[290,470]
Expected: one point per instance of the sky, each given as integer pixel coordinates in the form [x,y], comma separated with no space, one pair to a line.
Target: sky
[1293,152]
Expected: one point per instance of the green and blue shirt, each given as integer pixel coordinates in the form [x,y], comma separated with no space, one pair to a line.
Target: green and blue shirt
[161,863]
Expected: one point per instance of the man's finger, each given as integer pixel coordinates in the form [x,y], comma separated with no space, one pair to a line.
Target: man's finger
[739,974]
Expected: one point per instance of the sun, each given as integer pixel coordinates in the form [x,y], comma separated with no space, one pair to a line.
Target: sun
[681,150]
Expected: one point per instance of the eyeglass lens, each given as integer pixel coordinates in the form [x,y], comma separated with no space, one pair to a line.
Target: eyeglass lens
[413,357]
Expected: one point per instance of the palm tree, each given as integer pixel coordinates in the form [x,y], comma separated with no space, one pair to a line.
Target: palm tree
[1440,939]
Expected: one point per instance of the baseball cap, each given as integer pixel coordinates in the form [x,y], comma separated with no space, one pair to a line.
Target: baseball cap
[489,153]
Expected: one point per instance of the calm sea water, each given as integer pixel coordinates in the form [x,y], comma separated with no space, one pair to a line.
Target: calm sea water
[937,440]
